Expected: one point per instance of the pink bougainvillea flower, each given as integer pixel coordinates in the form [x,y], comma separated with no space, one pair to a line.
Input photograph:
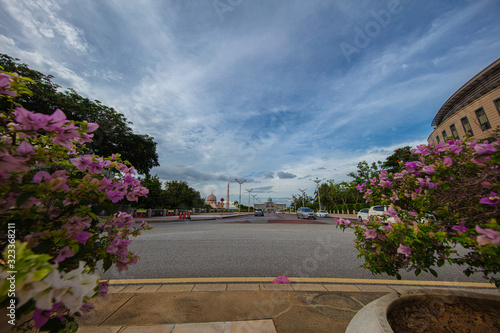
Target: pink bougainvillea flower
[487,236]
[493,199]
[25,148]
[5,81]
[281,280]
[342,221]
[388,228]
[81,162]
[103,288]
[370,233]
[484,148]
[447,161]
[404,250]
[86,308]
[460,227]
[41,176]
[83,237]
[41,317]
[64,253]
[429,169]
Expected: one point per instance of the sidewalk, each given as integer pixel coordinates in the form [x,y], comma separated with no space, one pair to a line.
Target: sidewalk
[244,304]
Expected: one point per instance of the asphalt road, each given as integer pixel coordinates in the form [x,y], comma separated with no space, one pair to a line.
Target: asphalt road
[251,246]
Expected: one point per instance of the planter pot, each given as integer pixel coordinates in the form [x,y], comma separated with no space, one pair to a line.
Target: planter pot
[424,308]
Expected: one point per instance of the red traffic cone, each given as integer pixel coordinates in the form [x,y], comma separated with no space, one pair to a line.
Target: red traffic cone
[180,216]
[189,216]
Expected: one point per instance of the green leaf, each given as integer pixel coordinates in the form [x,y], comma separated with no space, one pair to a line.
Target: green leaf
[107,264]
[433,272]
[24,197]
[440,262]
[418,271]
[398,276]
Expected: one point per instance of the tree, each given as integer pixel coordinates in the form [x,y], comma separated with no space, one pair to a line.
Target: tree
[154,198]
[396,161]
[114,134]
[365,172]
[178,194]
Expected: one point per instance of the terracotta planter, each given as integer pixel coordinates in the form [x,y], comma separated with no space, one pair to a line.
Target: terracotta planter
[373,317]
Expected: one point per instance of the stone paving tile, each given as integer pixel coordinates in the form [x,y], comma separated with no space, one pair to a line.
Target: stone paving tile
[115,289]
[401,289]
[175,288]
[98,329]
[260,326]
[200,328]
[149,329]
[341,287]
[210,287]
[243,287]
[275,287]
[308,287]
[147,288]
[374,288]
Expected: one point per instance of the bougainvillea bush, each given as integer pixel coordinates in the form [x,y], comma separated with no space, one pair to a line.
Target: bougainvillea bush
[51,188]
[442,208]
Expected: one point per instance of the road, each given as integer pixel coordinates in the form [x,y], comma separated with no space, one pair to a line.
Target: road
[251,246]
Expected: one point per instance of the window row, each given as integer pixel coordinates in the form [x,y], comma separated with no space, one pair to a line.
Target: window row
[484,123]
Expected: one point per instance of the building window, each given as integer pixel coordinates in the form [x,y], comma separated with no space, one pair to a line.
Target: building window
[444,135]
[497,104]
[454,131]
[466,126]
[483,120]
[438,139]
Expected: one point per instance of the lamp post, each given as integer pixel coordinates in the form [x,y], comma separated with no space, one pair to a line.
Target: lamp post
[317,181]
[303,191]
[249,198]
[239,202]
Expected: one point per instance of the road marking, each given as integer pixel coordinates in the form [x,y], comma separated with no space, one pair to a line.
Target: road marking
[300,280]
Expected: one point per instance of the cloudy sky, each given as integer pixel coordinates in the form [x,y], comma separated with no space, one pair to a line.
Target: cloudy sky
[277,92]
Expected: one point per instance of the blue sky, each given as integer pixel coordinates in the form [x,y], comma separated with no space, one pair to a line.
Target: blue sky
[275,92]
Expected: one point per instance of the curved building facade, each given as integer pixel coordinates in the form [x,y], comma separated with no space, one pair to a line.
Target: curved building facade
[473,109]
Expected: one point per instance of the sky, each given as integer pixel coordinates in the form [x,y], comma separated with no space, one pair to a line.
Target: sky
[278,93]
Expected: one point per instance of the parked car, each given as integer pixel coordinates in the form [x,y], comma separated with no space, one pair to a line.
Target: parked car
[259,212]
[305,213]
[363,214]
[322,213]
[379,210]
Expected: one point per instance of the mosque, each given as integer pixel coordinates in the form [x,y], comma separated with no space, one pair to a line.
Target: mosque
[270,206]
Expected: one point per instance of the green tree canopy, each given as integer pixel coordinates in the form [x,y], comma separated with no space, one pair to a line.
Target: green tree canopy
[178,194]
[396,161]
[114,134]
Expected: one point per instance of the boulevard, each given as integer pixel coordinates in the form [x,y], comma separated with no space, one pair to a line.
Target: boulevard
[256,246]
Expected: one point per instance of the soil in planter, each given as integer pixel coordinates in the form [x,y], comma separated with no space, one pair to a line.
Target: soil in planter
[444,317]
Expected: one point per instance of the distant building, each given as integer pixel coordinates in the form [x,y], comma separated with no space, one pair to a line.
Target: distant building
[473,109]
[212,201]
[270,206]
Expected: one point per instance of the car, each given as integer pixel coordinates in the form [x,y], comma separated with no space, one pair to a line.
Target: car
[363,214]
[322,213]
[379,211]
[259,212]
[305,213]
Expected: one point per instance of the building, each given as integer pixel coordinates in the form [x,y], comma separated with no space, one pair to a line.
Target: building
[270,206]
[212,201]
[473,109]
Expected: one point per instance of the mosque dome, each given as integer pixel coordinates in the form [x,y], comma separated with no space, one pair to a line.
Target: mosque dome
[212,197]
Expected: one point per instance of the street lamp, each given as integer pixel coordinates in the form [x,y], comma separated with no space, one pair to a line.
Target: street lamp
[239,202]
[249,198]
[303,191]
[317,181]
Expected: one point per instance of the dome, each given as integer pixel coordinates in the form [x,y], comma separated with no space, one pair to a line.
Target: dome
[212,197]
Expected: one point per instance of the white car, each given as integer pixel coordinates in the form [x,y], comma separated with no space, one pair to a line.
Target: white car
[322,213]
[379,210]
[363,214]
